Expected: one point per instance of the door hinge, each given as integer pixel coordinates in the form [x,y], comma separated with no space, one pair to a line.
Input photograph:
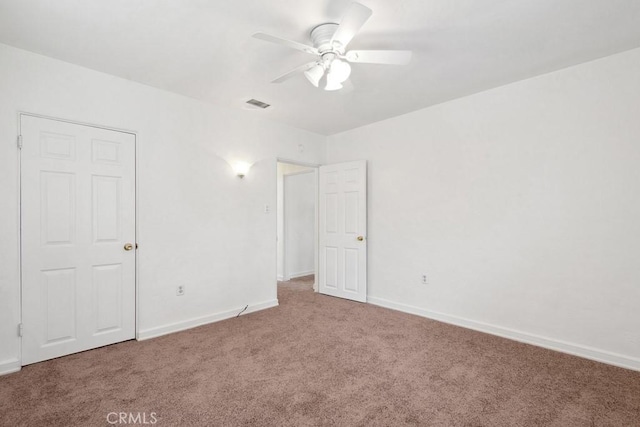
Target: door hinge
[20,330]
[19,142]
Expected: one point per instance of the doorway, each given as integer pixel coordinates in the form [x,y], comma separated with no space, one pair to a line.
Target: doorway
[297,219]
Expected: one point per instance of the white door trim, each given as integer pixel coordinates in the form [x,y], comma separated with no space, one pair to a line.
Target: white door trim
[74,122]
[20,114]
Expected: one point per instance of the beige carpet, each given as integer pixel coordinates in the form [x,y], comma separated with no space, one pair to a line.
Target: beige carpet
[318,360]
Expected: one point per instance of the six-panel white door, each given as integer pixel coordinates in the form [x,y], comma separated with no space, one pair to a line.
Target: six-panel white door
[342,234]
[77,213]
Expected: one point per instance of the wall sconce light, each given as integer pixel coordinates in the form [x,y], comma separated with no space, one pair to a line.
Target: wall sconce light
[241,168]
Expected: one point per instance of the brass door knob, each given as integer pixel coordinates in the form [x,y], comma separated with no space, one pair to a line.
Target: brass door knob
[360,238]
[128,246]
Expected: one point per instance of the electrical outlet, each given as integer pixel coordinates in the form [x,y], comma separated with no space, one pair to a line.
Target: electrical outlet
[180,290]
[424,279]
[266,209]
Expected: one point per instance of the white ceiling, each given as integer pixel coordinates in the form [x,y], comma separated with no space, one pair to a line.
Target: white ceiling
[204,49]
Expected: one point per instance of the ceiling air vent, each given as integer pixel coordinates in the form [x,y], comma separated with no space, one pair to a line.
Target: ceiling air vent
[257,103]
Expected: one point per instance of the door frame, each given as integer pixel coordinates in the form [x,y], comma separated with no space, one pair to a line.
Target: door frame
[136,207]
[316,239]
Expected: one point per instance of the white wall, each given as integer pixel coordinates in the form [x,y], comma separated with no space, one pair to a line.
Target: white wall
[521,204]
[299,224]
[199,225]
[283,169]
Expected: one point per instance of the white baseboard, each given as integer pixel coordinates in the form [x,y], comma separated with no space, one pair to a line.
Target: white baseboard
[199,321]
[301,274]
[524,337]
[9,366]
[280,278]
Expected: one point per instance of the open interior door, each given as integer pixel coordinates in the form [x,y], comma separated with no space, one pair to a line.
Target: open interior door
[343,227]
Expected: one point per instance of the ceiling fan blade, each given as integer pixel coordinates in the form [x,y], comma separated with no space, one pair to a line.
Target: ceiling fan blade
[289,43]
[300,69]
[352,21]
[390,57]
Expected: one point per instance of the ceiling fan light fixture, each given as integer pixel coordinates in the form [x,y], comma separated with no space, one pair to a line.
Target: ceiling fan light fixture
[314,74]
[331,67]
[339,71]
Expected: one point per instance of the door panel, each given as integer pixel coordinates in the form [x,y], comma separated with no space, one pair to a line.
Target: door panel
[106,209]
[77,213]
[107,280]
[343,226]
[58,204]
[58,287]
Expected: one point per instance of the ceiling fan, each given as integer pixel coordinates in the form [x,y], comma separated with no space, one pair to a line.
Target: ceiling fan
[331,69]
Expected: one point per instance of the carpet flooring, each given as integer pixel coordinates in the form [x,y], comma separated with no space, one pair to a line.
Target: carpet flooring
[318,360]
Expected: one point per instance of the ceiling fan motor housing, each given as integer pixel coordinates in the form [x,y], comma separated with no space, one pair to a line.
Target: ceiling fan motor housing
[321,38]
